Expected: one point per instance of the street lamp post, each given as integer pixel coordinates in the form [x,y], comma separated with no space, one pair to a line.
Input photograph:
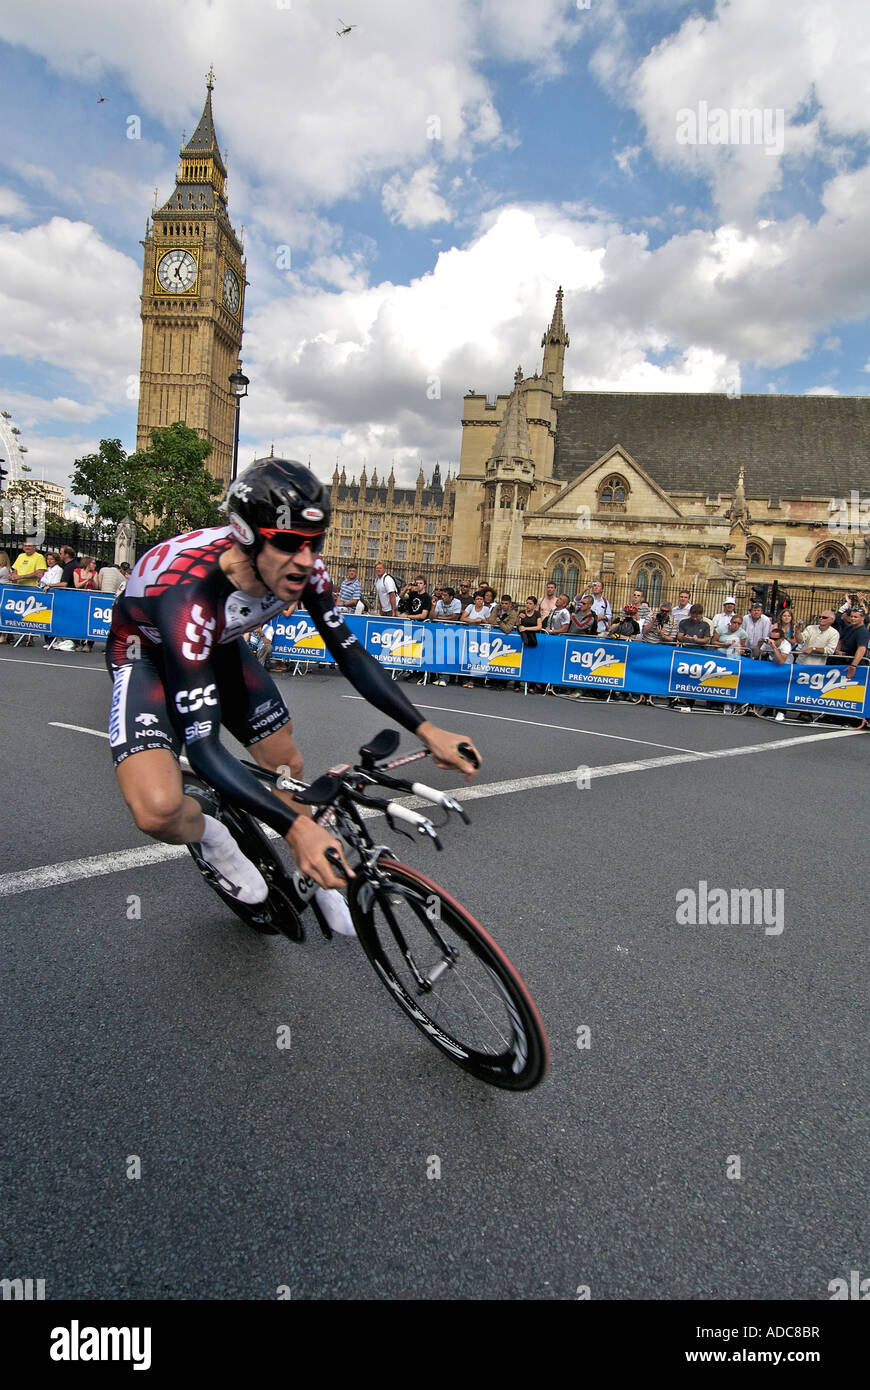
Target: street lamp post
[239,386]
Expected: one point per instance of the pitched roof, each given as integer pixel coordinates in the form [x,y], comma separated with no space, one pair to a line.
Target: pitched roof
[790,446]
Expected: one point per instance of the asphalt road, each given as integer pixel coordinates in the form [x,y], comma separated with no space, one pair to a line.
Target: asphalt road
[713,1049]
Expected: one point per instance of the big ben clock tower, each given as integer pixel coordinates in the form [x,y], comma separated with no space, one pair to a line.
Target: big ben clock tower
[193,292]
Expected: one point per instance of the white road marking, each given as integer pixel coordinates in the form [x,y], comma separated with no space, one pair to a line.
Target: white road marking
[70,665]
[54,875]
[77,728]
[539,724]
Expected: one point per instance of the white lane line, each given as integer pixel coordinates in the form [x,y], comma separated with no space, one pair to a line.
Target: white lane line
[555,779]
[54,875]
[70,665]
[538,724]
[78,728]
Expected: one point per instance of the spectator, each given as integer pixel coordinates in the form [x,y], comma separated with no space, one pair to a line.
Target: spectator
[694,631]
[386,591]
[791,628]
[777,648]
[70,564]
[109,579]
[53,573]
[626,625]
[819,641]
[447,609]
[5,569]
[584,622]
[683,607]
[350,593]
[465,595]
[477,611]
[125,575]
[853,642]
[548,602]
[29,567]
[733,639]
[644,612]
[559,621]
[416,602]
[756,625]
[720,622]
[478,615]
[529,624]
[504,616]
[600,607]
[85,575]
[662,626]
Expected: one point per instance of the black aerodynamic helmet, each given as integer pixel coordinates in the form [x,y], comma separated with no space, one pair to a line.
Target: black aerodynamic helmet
[280,501]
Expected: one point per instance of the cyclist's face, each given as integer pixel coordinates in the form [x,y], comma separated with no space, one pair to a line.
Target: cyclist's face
[284,573]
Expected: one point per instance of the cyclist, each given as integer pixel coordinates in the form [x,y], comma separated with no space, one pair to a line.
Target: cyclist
[180,670]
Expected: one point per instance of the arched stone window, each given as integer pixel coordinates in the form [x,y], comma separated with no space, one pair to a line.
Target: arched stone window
[755,554]
[649,578]
[566,573]
[613,492]
[830,557]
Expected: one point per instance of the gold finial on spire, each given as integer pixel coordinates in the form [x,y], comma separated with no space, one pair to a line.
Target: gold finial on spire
[209,77]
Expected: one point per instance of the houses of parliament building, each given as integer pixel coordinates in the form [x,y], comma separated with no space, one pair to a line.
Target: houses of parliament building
[657,491]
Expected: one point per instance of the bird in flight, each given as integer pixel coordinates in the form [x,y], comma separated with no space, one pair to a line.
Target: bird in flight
[345,29]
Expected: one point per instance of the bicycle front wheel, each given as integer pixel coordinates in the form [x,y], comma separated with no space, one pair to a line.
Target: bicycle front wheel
[449,977]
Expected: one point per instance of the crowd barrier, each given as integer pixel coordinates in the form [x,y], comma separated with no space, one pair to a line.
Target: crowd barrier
[460,650]
[79,614]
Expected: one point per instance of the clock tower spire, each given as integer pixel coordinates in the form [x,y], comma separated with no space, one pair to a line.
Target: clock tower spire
[192,311]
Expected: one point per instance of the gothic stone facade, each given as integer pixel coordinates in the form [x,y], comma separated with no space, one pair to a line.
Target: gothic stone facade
[662,490]
[408,528]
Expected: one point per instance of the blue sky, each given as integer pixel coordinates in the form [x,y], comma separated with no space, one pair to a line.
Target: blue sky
[708,266]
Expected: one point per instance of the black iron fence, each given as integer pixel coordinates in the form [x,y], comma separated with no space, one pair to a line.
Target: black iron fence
[85,540]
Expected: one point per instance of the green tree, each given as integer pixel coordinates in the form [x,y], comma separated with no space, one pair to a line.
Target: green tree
[165,489]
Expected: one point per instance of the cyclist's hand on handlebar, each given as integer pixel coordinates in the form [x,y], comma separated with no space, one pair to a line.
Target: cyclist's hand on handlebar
[309,844]
[450,750]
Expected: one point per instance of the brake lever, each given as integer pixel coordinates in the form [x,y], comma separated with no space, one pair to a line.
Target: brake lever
[335,860]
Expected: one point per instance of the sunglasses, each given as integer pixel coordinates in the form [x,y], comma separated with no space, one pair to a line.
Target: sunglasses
[291,541]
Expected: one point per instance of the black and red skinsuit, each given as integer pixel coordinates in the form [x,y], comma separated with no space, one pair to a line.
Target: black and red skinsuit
[180,669]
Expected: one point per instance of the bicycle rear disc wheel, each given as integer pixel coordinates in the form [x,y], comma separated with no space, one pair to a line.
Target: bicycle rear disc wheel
[469,1000]
[277,916]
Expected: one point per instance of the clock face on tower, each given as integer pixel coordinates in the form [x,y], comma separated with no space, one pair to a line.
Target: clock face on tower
[176,271]
[232,294]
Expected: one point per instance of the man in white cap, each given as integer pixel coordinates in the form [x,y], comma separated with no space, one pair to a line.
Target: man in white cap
[720,623]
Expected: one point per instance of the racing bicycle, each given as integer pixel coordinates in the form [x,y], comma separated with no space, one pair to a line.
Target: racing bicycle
[439,965]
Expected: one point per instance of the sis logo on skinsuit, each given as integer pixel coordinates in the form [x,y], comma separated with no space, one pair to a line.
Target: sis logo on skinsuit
[828,689]
[602,664]
[699,675]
